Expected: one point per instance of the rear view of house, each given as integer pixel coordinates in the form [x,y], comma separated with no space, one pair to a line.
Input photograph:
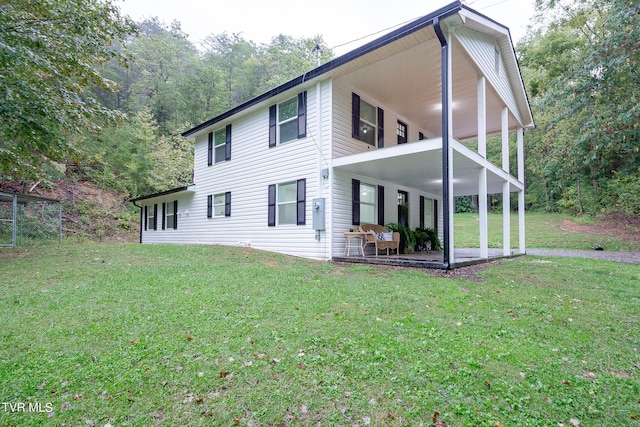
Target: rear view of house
[379,135]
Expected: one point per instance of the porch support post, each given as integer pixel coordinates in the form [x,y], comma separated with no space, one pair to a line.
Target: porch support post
[506,195]
[521,177]
[482,116]
[451,201]
[506,219]
[505,139]
[482,210]
[482,178]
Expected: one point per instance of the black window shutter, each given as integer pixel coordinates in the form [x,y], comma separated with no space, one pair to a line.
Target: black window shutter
[146,218]
[175,214]
[227,203]
[272,206]
[355,116]
[164,213]
[210,150]
[302,114]
[227,144]
[380,128]
[435,214]
[421,211]
[155,216]
[380,205]
[301,202]
[272,126]
[209,206]
[355,202]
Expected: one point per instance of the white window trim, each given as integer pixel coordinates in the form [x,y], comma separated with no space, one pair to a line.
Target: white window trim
[280,123]
[279,203]
[374,189]
[214,205]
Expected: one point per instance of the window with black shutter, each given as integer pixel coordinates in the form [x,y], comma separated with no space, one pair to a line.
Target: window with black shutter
[288,120]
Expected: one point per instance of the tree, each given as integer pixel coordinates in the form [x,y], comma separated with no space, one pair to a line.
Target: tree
[582,69]
[50,51]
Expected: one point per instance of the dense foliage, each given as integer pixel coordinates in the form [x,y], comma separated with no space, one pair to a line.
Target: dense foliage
[581,69]
[50,54]
[69,68]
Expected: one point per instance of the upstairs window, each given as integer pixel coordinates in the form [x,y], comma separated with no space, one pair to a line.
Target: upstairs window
[288,120]
[219,146]
[402,132]
[220,139]
[367,122]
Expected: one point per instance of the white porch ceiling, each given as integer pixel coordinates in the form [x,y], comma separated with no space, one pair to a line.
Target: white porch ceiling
[405,77]
[419,165]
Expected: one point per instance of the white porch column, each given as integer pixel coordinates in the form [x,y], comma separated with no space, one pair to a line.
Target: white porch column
[505,139]
[451,201]
[482,177]
[506,219]
[506,195]
[521,177]
[482,210]
[482,117]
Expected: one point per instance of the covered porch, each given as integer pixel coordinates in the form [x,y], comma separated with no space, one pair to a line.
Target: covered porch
[419,165]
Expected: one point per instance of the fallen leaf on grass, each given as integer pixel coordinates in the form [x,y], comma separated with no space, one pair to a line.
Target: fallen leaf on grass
[134,342]
[224,374]
[390,415]
[620,374]
[575,422]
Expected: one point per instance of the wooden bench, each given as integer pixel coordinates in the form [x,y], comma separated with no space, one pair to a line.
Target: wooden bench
[372,236]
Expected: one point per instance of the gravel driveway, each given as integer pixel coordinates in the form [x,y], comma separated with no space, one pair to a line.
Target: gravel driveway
[624,257]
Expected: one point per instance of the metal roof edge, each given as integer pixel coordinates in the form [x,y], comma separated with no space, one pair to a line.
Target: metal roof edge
[162,193]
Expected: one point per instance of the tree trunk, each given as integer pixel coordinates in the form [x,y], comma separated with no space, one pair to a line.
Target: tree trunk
[580,198]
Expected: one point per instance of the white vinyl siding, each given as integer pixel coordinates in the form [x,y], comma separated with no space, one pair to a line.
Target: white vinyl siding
[482,49]
[254,167]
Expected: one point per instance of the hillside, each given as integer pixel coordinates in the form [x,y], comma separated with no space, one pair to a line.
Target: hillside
[88,211]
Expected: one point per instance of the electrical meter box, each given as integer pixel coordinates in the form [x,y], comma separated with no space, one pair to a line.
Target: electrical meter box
[318,214]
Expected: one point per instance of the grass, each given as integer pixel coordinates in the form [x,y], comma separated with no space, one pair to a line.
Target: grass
[543,230]
[132,335]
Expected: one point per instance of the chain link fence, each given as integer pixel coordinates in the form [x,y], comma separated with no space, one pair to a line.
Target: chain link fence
[26,219]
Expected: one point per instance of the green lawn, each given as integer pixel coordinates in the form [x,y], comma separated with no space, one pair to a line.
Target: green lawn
[542,230]
[132,335]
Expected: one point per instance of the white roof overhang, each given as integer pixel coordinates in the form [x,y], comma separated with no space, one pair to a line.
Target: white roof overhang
[418,165]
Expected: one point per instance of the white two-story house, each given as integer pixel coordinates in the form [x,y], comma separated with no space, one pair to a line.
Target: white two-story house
[291,170]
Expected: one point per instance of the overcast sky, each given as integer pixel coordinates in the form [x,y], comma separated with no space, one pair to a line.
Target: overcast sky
[338,21]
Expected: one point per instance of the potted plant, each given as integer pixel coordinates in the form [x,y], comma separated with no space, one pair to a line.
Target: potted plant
[430,237]
[407,237]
